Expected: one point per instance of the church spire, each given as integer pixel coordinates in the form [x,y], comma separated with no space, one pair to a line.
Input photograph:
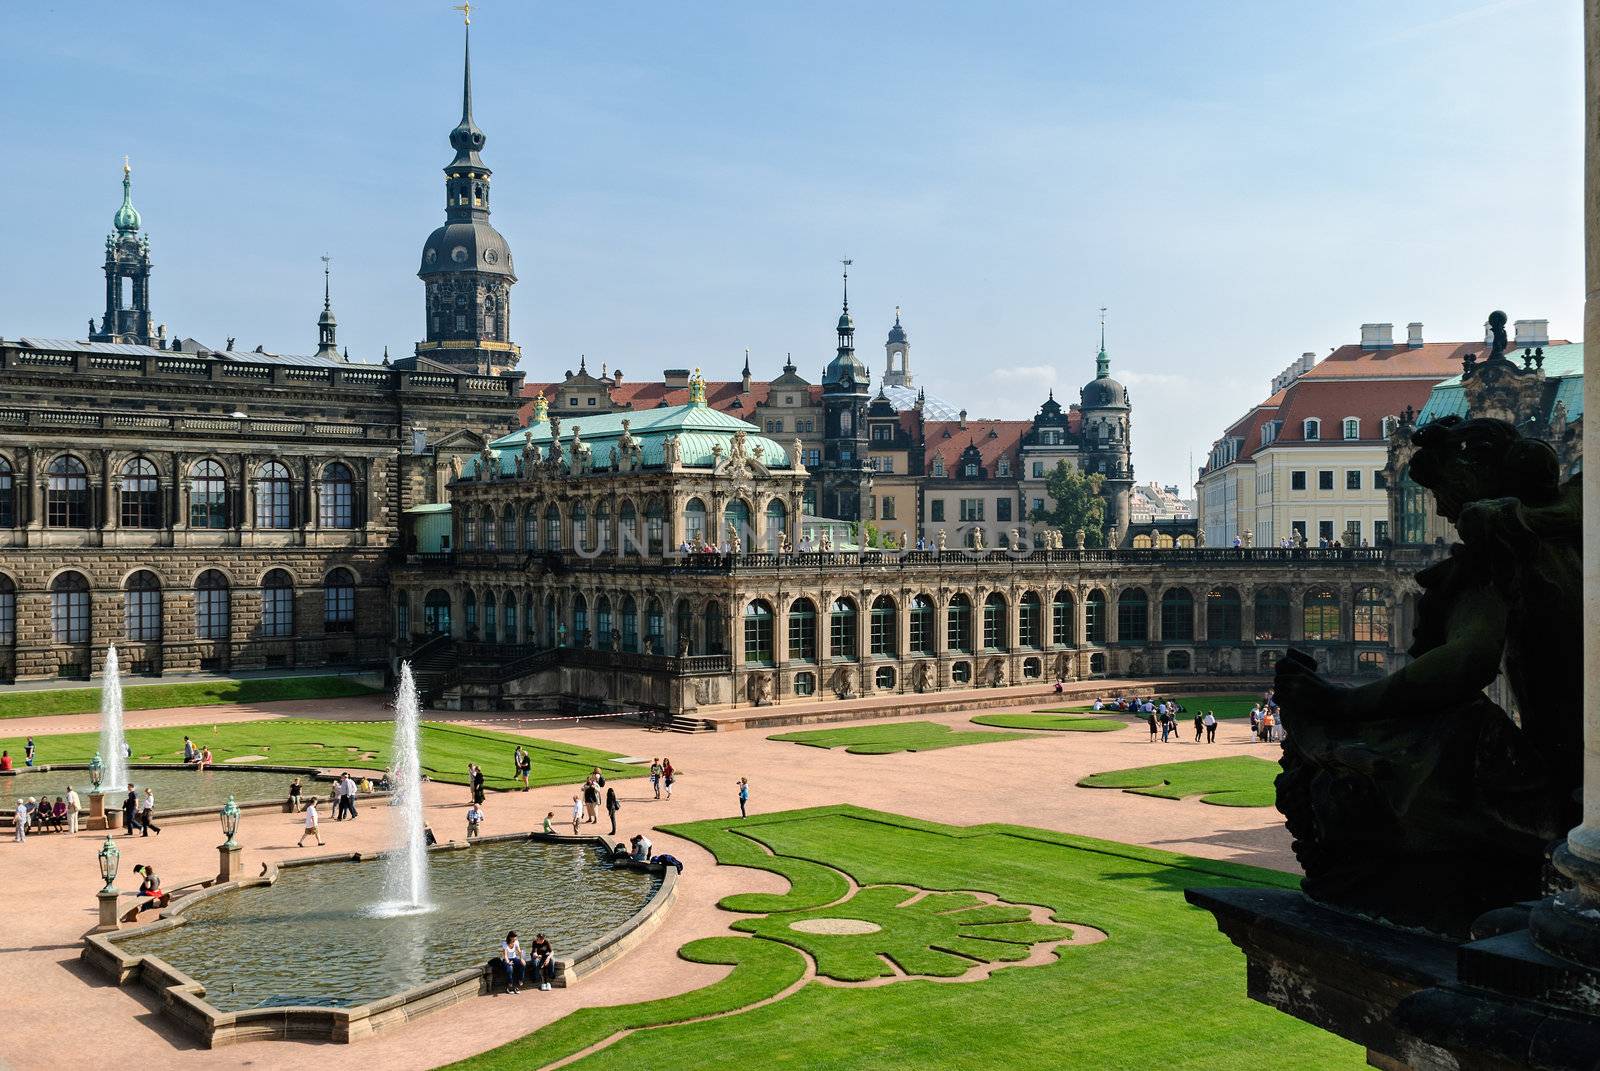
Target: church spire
[1102,364]
[847,326]
[327,326]
[467,139]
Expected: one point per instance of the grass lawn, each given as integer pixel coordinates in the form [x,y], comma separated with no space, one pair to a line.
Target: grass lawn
[1108,1006]
[194,694]
[1235,781]
[889,739]
[446,749]
[1224,706]
[1052,722]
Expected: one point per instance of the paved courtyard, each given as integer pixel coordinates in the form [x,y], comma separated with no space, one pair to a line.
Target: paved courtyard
[49,883]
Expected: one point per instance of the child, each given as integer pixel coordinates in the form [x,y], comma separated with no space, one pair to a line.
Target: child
[549,823]
[577,813]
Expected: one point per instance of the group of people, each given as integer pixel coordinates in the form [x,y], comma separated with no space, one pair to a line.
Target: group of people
[139,810]
[1266,721]
[30,755]
[342,796]
[537,964]
[198,757]
[1132,704]
[586,805]
[34,813]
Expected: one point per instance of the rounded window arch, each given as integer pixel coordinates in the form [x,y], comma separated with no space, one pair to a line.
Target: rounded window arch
[436,612]
[694,522]
[777,521]
[142,607]
[1224,617]
[552,527]
[1272,614]
[1321,614]
[958,623]
[802,631]
[602,526]
[602,622]
[655,626]
[758,633]
[488,529]
[508,528]
[1062,623]
[1177,615]
[580,527]
[339,601]
[213,617]
[1030,615]
[1371,619]
[712,623]
[628,528]
[843,629]
[277,605]
[628,611]
[530,529]
[683,627]
[8,494]
[1133,616]
[995,636]
[208,495]
[883,628]
[655,526]
[8,611]
[922,626]
[139,499]
[336,505]
[274,496]
[736,522]
[66,493]
[1094,617]
[491,617]
[70,608]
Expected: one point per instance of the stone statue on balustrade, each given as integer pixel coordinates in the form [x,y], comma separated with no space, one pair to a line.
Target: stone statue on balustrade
[1415,800]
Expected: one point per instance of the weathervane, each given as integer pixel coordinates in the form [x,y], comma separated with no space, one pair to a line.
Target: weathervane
[847,262]
[466,11]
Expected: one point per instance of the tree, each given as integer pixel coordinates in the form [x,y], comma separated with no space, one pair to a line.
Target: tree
[1078,504]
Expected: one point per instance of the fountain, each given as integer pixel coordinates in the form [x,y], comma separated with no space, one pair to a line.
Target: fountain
[113,744]
[405,876]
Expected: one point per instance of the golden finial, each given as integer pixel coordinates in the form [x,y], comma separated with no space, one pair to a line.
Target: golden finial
[126,167]
[466,11]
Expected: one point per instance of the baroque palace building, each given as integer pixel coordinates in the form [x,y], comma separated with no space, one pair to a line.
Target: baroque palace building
[593,541]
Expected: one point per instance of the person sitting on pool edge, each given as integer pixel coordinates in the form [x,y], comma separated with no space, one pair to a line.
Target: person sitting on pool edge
[542,961]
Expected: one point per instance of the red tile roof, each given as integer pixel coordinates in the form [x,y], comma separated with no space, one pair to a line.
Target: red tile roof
[1332,400]
[1440,360]
[994,439]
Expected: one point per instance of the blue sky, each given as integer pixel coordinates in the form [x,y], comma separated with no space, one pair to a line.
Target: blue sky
[1238,183]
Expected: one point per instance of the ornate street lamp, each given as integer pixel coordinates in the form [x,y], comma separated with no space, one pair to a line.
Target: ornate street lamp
[230,822]
[109,859]
[97,769]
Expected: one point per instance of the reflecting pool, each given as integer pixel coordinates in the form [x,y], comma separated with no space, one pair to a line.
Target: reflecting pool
[176,789]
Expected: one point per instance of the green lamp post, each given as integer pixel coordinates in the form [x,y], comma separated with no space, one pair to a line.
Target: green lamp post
[109,858]
[230,822]
[228,852]
[97,771]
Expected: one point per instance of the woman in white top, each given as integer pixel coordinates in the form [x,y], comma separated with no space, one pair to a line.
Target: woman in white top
[312,828]
[22,820]
[74,804]
[515,965]
[577,813]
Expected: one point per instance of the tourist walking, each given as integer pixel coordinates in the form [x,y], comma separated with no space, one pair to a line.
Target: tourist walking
[477,783]
[591,801]
[668,775]
[655,776]
[130,811]
[511,957]
[542,961]
[21,820]
[474,820]
[147,812]
[74,805]
[350,796]
[577,813]
[336,798]
[744,795]
[524,766]
[613,805]
[1199,727]
[313,828]
[1151,719]
[1211,726]
[28,752]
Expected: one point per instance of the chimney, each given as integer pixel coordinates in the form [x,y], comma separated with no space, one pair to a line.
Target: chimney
[1308,361]
[676,377]
[616,378]
[1531,333]
[963,418]
[1413,334]
[1377,336]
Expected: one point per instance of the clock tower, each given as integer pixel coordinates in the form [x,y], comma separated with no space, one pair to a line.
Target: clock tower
[127,315]
[846,476]
[466,267]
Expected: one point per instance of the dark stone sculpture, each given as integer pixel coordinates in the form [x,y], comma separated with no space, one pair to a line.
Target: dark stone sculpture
[1415,800]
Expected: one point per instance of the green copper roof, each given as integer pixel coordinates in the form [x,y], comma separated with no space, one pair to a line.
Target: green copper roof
[697,429]
[127,218]
[1563,366]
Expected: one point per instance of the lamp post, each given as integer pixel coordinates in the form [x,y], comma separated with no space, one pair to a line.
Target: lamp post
[97,796]
[228,850]
[109,858]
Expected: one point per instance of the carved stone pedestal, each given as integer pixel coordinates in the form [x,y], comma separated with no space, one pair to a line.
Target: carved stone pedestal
[99,817]
[1416,1002]
[108,911]
[229,867]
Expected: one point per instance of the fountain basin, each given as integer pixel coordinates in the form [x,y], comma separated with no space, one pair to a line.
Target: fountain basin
[231,964]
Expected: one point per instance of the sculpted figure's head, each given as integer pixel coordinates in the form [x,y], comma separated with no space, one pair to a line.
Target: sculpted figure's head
[1464,461]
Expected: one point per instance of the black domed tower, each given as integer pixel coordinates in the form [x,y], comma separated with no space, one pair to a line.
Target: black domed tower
[846,477]
[127,315]
[466,265]
[1107,446]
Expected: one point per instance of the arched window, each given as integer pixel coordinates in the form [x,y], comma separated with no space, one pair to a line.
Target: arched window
[602,527]
[1164,541]
[1413,509]
[1272,614]
[140,497]
[655,527]
[1177,615]
[1186,541]
[602,623]
[208,495]
[69,608]
[1094,617]
[8,611]
[142,607]
[758,633]
[881,628]
[1029,614]
[683,626]
[508,529]
[1133,616]
[508,618]
[530,619]
[1312,429]
[958,623]
[777,524]
[274,504]
[469,528]
[339,601]
[994,622]
[580,527]
[8,495]
[1061,618]
[1371,616]
[694,522]
[1369,663]
[655,628]
[277,605]
[922,635]
[802,631]
[630,625]
[736,521]
[552,527]
[67,493]
[1224,614]
[491,618]
[938,466]
[336,507]
[1141,541]
[842,629]
[488,530]
[711,622]
[213,618]
[469,613]
[530,529]
[1352,427]
[436,612]
[628,529]
[1321,614]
